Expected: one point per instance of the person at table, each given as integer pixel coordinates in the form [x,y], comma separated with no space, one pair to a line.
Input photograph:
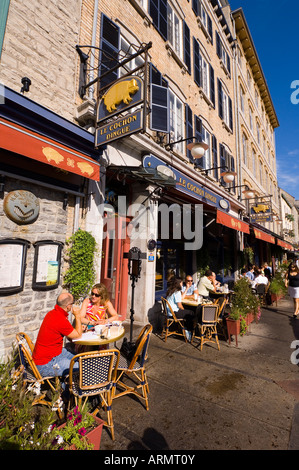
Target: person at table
[97,309]
[49,355]
[260,279]
[207,284]
[216,283]
[174,297]
[250,273]
[189,288]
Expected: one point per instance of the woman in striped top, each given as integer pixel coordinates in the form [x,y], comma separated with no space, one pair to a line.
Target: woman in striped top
[98,309]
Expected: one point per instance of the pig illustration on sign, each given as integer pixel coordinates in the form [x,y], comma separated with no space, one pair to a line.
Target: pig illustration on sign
[121,92]
[261,208]
[52,155]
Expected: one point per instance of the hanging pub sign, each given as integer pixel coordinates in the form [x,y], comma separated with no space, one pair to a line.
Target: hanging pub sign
[123,95]
[261,212]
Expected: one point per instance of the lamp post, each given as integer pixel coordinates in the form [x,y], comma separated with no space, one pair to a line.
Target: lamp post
[197,148]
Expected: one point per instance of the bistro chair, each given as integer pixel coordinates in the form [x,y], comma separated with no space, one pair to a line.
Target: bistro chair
[96,375]
[208,325]
[220,315]
[134,370]
[261,291]
[179,328]
[31,374]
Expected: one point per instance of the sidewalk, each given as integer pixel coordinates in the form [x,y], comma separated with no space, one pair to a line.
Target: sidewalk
[241,397]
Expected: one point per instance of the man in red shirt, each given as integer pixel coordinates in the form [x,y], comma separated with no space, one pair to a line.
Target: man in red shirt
[49,355]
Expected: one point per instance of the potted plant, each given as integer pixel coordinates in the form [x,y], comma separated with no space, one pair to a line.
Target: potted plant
[277,287]
[244,308]
[81,431]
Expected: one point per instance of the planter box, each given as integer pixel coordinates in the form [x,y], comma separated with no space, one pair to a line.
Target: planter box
[276,297]
[93,436]
[233,328]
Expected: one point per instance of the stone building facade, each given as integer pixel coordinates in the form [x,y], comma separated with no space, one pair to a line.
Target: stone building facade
[192,57]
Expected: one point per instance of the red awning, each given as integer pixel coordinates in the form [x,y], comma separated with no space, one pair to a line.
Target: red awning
[264,236]
[232,222]
[20,140]
[284,244]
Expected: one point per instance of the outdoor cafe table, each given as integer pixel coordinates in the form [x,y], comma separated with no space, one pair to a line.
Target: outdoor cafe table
[91,338]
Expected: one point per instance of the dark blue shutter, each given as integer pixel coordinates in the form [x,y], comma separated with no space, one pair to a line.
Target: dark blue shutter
[228,62]
[210,28]
[3,18]
[215,156]
[222,161]
[159,101]
[230,114]
[187,47]
[197,63]
[218,45]
[109,49]
[212,85]
[195,7]
[189,129]
[220,100]
[199,162]
[232,168]
[158,12]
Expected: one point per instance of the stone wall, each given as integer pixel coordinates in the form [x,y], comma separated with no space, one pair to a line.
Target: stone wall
[39,43]
[25,310]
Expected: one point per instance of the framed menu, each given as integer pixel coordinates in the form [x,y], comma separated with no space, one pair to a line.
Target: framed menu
[47,263]
[13,253]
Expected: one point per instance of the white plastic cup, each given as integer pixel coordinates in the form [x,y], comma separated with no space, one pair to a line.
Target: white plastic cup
[98,329]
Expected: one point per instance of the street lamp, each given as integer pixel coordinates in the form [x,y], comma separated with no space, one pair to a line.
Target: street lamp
[248,192]
[227,175]
[197,149]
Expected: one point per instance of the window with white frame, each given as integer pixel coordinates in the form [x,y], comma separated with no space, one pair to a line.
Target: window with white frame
[244,147]
[258,132]
[242,99]
[176,121]
[261,173]
[174,30]
[226,108]
[253,162]
[250,118]
[126,49]
[206,137]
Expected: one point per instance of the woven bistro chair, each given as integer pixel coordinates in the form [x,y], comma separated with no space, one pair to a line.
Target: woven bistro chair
[220,315]
[208,325]
[96,376]
[31,374]
[172,320]
[261,291]
[133,371]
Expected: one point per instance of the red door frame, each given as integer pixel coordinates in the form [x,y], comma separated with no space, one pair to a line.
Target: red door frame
[114,270]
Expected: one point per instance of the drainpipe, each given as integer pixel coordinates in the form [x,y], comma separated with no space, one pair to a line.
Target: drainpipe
[93,43]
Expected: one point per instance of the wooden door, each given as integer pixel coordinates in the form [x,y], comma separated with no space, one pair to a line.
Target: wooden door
[114,271]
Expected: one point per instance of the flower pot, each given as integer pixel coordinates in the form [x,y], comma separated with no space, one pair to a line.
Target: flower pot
[93,436]
[276,297]
[233,328]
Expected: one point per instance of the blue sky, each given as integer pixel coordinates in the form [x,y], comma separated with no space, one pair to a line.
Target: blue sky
[274,27]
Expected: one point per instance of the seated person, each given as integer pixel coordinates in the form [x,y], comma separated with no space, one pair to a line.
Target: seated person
[250,273]
[174,297]
[216,283]
[49,355]
[189,288]
[207,284]
[260,279]
[243,273]
[98,309]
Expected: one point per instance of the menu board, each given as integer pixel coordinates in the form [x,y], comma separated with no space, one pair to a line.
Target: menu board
[12,265]
[47,261]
